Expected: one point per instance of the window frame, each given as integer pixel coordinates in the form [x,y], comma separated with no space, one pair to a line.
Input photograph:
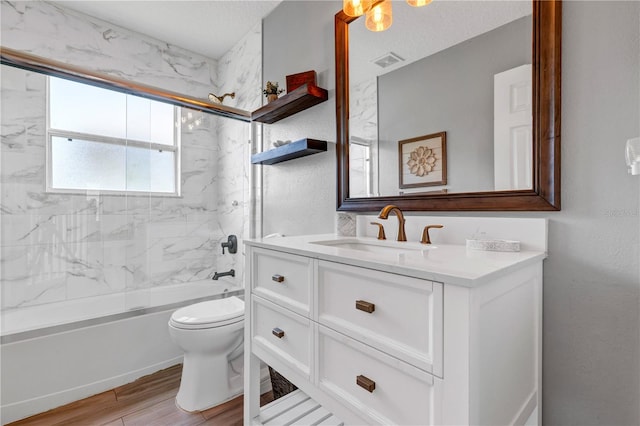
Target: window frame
[176,149]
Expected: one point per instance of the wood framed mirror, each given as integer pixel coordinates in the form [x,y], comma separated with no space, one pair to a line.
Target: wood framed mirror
[543,192]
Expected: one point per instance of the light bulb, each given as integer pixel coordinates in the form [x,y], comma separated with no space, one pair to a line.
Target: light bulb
[379,18]
[418,3]
[356,7]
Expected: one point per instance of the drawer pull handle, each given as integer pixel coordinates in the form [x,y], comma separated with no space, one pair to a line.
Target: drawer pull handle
[278,278]
[366,383]
[278,333]
[365,306]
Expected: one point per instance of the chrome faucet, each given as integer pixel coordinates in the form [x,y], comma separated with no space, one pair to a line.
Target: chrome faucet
[384,214]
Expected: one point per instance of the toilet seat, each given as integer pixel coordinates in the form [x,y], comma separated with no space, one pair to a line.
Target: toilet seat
[209,314]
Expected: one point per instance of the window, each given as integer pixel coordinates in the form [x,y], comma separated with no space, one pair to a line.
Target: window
[100,139]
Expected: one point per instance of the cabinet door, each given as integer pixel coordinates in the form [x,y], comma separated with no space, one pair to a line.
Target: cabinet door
[283,278]
[399,315]
[380,388]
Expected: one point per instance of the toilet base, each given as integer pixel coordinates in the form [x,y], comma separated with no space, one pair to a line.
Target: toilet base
[206,382]
[231,397]
[236,386]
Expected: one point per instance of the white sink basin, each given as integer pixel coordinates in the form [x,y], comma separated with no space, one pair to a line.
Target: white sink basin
[376,246]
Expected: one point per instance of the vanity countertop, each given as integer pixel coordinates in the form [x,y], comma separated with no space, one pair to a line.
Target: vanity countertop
[452,264]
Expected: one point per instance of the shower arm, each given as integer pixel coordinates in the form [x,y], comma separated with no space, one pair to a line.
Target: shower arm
[218,99]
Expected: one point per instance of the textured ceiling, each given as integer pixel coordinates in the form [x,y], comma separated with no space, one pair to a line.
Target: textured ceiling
[209,28]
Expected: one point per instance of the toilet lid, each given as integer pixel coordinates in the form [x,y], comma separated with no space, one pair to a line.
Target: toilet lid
[209,312]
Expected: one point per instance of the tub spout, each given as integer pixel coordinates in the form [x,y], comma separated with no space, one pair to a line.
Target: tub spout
[231,273]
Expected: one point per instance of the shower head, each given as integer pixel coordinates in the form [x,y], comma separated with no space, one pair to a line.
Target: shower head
[218,99]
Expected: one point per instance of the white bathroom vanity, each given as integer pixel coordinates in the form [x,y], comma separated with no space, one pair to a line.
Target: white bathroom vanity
[403,333]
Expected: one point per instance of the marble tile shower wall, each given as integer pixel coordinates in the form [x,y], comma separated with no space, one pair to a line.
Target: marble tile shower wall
[63,246]
[239,71]
[51,31]
[60,246]
[363,109]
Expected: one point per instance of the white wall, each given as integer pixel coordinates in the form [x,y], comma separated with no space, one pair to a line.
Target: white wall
[591,348]
[592,277]
[299,195]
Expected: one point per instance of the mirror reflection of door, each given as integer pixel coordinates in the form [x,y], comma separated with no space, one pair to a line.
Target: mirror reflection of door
[513,150]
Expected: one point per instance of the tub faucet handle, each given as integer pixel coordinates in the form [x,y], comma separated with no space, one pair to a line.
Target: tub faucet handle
[231,244]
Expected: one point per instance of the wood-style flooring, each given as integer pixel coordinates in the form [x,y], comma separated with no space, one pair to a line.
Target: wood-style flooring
[149,401]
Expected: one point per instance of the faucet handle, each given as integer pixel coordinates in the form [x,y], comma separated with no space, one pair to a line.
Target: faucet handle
[231,244]
[425,233]
[381,235]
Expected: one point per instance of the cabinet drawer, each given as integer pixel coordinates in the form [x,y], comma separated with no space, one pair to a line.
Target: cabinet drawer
[282,333]
[390,392]
[282,278]
[399,315]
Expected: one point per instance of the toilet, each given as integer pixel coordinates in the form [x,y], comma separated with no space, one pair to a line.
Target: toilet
[211,335]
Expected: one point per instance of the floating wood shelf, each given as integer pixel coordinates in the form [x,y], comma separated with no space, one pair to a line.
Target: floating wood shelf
[295,101]
[296,149]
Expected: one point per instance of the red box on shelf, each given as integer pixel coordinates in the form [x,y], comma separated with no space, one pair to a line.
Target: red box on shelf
[296,80]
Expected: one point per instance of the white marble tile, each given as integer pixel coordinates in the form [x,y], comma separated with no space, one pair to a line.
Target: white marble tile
[186,248]
[144,204]
[363,110]
[85,271]
[24,197]
[31,275]
[240,71]
[14,136]
[25,229]
[345,224]
[202,224]
[114,262]
[157,227]
[52,31]
[31,291]
[59,246]
[113,204]
[113,228]
[22,167]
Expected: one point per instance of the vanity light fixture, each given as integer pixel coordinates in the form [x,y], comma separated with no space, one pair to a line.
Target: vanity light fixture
[356,7]
[379,18]
[379,15]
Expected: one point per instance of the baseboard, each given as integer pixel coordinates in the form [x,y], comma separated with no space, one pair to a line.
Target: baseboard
[20,410]
[23,409]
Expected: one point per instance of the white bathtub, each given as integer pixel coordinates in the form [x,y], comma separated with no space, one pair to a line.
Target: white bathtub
[59,316]
[57,353]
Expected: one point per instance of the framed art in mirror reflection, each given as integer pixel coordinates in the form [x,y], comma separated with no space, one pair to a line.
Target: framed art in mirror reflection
[422,161]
